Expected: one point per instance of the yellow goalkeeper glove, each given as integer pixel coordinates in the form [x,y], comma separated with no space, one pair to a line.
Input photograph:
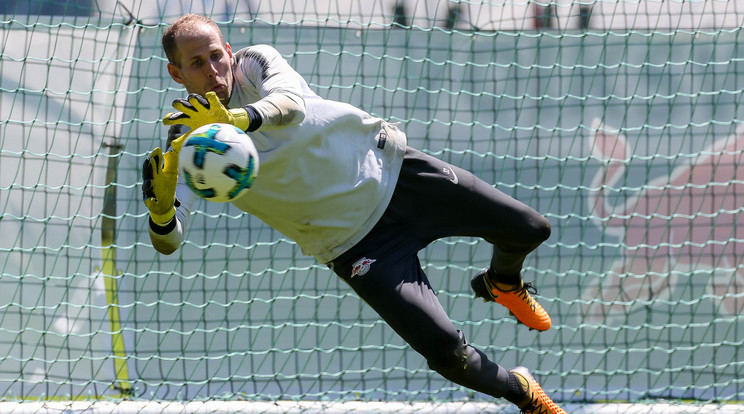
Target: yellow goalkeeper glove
[159,178]
[197,110]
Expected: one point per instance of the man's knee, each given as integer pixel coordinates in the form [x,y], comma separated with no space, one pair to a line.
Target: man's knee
[541,228]
[530,234]
[451,360]
[467,366]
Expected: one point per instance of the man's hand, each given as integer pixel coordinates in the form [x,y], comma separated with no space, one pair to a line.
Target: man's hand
[159,178]
[177,135]
[176,144]
[197,110]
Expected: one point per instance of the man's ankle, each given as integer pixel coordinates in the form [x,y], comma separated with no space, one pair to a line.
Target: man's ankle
[504,283]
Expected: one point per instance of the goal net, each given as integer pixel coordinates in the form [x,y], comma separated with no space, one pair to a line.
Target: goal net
[620,121]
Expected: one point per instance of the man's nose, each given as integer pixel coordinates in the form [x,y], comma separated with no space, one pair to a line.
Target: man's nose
[211,70]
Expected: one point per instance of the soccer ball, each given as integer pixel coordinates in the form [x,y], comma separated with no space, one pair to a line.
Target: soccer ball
[218,162]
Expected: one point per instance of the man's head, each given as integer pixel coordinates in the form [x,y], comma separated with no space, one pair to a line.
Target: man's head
[198,56]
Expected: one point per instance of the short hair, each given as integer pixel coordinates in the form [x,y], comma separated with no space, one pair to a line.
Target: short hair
[185,25]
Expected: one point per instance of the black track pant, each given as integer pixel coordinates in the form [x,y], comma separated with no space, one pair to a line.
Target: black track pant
[433,200]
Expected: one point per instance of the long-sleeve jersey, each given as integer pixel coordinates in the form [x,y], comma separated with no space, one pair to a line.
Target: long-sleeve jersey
[327,169]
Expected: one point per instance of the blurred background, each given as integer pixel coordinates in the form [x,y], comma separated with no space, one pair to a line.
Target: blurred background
[618,120]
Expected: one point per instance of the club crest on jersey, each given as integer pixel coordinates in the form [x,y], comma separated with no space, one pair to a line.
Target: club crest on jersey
[361,266]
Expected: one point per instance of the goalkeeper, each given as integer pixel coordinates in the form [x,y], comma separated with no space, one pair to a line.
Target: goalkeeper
[345,186]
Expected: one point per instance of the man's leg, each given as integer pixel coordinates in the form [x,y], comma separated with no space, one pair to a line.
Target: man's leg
[394,285]
[434,200]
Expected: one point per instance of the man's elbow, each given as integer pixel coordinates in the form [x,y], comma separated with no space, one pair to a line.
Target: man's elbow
[296,117]
[166,250]
[165,247]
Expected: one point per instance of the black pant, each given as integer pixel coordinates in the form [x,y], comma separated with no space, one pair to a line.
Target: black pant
[433,200]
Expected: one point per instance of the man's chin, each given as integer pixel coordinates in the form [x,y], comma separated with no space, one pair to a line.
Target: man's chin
[224,95]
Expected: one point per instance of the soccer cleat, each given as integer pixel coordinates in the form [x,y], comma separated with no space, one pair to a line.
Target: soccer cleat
[536,401]
[519,301]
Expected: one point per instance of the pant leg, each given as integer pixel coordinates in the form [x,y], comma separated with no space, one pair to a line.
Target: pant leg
[434,199]
[394,285]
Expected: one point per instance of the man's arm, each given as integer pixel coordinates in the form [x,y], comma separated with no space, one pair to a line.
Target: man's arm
[167,239]
[278,86]
[166,197]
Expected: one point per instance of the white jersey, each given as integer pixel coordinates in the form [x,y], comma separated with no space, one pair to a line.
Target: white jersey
[327,169]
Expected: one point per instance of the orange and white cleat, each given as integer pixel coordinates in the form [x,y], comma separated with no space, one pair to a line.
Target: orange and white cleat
[518,300]
[536,402]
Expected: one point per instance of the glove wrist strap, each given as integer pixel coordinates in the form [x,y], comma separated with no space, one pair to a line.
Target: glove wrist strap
[162,230]
[241,119]
[165,218]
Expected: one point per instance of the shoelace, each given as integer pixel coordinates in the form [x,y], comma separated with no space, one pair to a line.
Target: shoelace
[527,287]
[524,294]
[537,406]
[533,407]
[533,410]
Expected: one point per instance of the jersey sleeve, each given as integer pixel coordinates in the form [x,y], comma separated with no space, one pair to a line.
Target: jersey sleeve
[276,88]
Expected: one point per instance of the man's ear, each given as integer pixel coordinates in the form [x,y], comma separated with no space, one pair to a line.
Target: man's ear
[175,73]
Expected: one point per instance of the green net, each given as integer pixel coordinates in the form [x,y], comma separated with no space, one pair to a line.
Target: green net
[620,121]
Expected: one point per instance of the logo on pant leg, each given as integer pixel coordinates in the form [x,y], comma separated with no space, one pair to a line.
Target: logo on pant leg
[361,266]
[450,173]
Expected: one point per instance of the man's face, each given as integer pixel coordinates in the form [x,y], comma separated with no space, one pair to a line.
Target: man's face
[204,63]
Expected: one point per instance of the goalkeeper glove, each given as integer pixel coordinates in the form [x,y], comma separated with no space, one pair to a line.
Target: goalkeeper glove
[197,110]
[159,178]
[177,134]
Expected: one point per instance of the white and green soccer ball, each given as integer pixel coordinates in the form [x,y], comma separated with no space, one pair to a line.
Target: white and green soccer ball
[218,162]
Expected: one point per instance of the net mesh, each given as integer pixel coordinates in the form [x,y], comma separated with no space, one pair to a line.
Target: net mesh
[618,120]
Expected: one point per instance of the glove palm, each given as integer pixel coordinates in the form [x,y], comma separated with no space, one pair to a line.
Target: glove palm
[160,176]
[196,111]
